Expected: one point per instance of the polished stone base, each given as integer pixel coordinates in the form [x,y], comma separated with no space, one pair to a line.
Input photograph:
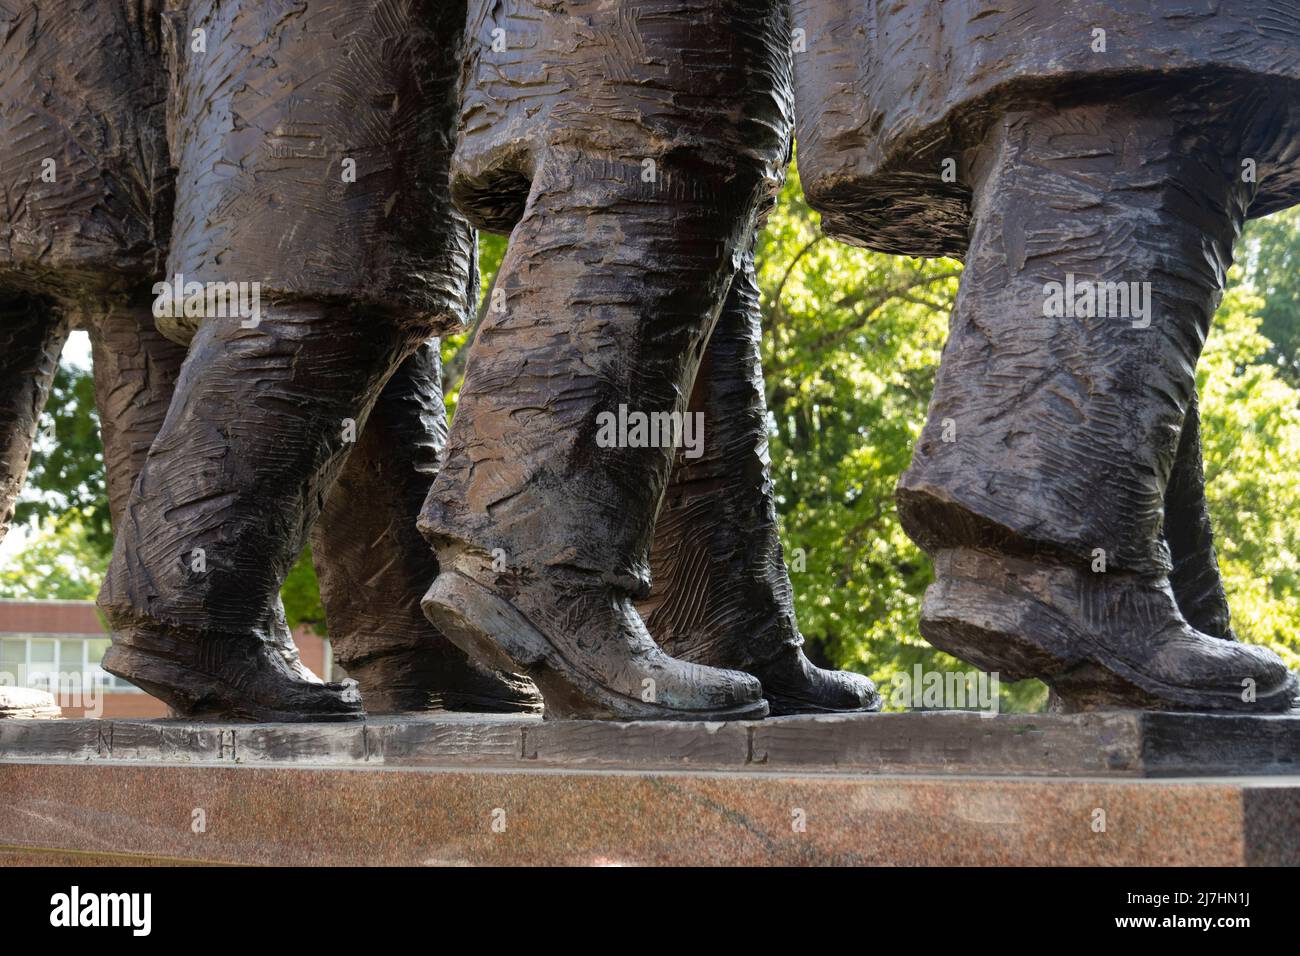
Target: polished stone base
[908,789]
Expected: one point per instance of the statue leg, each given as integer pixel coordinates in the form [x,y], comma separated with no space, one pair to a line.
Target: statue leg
[720,592]
[374,566]
[1039,483]
[632,200]
[257,432]
[543,514]
[1194,577]
[135,369]
[32,334]
[311,157]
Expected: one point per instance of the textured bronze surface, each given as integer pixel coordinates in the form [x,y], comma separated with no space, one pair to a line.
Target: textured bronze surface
[311,144]
[88,181]
[83,158]
[32,335]
[631,150]
[305,148]
[720,591]
[886,91]
[260,143]
[1060,463]
[87,202]
[262,127]
[374,566]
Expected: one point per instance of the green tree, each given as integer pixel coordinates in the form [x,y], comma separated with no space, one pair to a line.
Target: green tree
[301,595]
[1251,437]
[62,561]
[1270,251]
[66,476]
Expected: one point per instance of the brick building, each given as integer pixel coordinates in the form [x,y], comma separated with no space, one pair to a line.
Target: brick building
[58,645]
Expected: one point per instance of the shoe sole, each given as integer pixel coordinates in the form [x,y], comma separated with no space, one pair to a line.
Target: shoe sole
[790,707]
[194,695]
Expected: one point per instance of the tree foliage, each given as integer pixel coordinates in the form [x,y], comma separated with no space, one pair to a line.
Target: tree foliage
[63,560]
[66,476]
[1251,435]
[1270,251]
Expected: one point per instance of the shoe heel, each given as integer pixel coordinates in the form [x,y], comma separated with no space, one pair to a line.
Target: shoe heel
[996,623]
[155,677]
[483,625]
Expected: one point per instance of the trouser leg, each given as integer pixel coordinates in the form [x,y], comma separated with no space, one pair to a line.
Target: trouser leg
[720,592]
[1194,576]
[32,335]
[135,370]
[374,566]
[1040,480]
[259,428]
[543,514]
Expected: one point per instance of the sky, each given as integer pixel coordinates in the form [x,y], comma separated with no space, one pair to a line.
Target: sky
[77,350]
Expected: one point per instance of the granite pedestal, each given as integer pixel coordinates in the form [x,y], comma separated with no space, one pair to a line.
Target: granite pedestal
[908,789]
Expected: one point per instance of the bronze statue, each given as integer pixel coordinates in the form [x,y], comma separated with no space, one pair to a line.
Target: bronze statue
[371,562]
[720,593]
[1094,180]
[631,151]
[89,189]
[301,187]
[87,192]
[311,155]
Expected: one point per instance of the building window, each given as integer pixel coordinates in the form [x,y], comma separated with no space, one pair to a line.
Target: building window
[58,663]
[328,670]
[13,661]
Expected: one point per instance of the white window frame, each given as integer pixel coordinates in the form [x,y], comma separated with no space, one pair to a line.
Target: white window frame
[110,683]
